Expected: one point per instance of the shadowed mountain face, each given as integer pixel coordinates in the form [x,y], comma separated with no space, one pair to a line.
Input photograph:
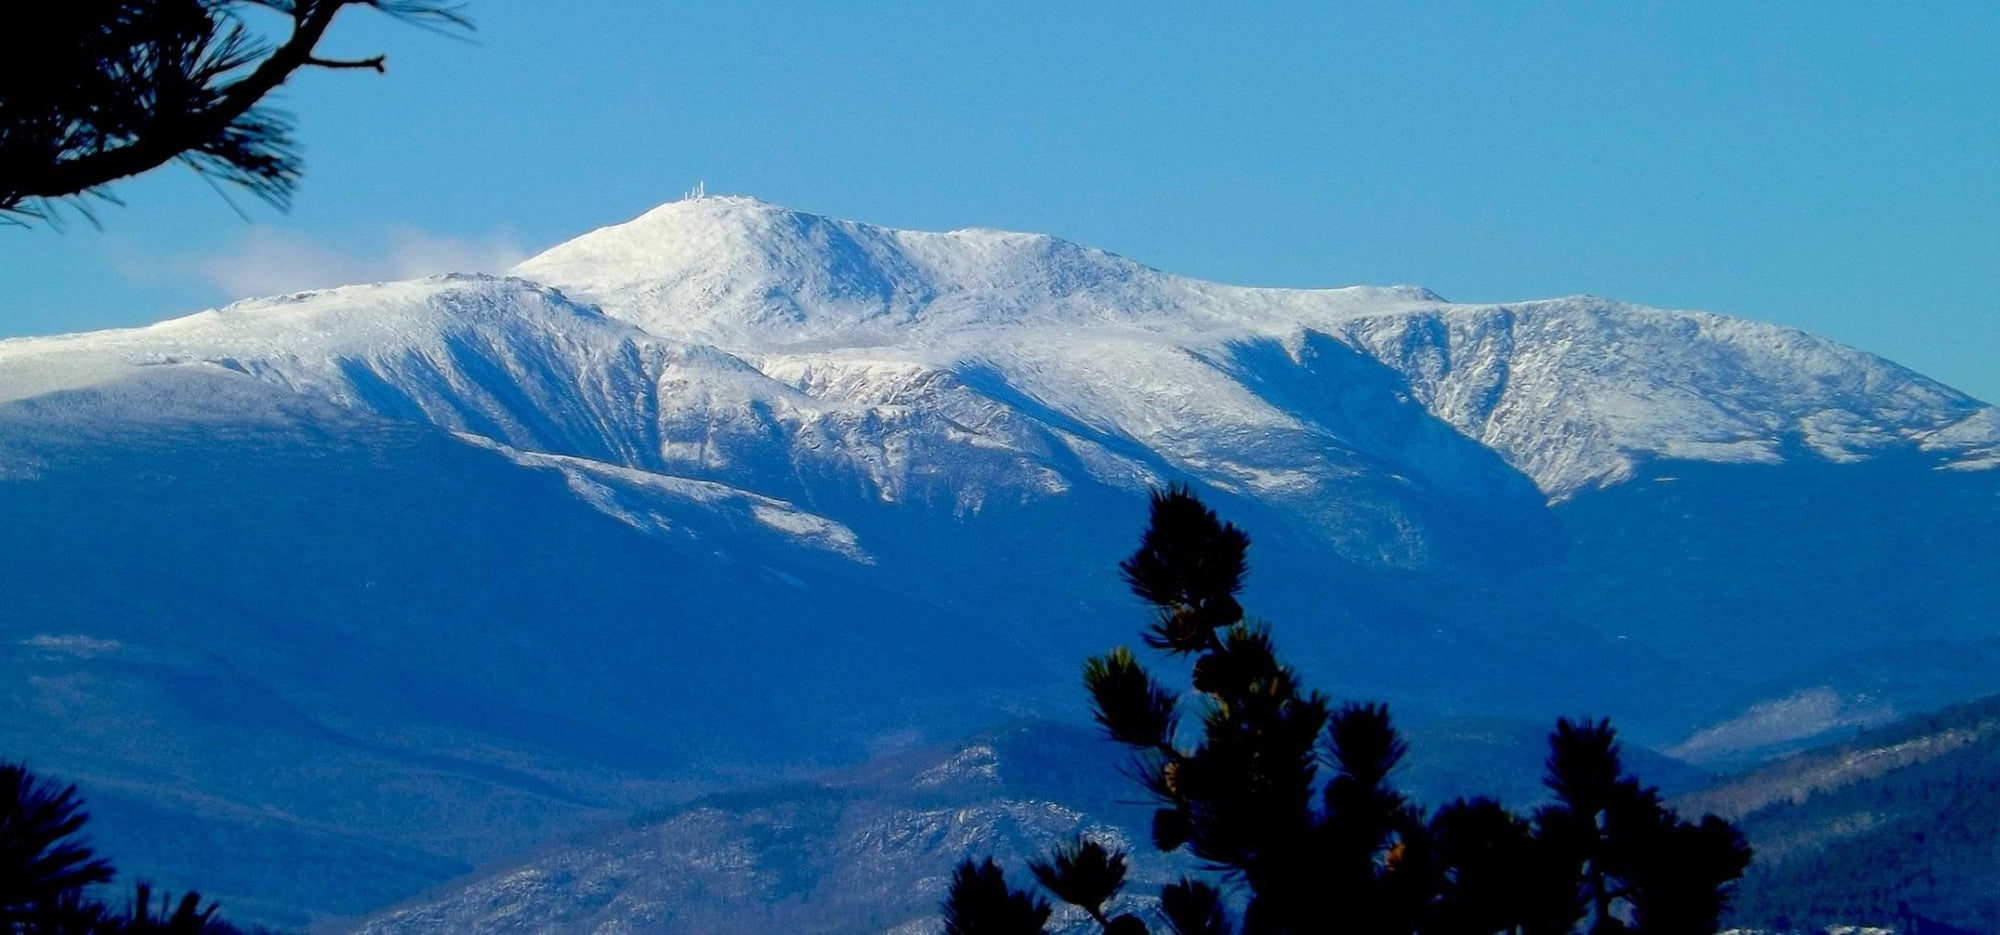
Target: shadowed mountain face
[408,576]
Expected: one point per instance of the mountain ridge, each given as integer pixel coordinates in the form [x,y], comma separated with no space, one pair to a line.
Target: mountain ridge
[1552,386]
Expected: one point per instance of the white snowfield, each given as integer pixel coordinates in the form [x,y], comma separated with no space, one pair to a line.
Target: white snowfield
[728,340]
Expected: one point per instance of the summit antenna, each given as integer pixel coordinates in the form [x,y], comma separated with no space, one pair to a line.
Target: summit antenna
[697,193]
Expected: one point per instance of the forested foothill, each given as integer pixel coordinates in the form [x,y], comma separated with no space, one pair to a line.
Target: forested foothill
[1894,828]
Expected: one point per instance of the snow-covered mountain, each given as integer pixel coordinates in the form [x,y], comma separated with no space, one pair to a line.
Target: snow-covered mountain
[730,490]
[1572,392]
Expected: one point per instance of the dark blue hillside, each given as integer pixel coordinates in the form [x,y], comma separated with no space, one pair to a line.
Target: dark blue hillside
[312,660]
[1875,578]
[381,650]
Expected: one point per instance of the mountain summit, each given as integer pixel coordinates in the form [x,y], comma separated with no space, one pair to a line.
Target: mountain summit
[1624,384]
[737,270]
[734,491]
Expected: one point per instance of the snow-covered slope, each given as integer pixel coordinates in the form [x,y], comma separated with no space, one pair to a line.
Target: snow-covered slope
[731,490]
[1579,391]
[1573,392]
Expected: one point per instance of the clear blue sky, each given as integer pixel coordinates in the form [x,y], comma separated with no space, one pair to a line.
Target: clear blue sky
[1827,165]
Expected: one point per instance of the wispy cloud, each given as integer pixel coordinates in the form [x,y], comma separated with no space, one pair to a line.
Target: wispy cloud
[270,261]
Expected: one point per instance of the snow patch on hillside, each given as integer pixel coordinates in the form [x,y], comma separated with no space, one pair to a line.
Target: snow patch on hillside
[625,493]
[72,644]
[1766,725]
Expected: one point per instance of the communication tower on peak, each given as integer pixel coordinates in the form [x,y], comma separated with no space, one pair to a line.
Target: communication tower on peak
[697,193]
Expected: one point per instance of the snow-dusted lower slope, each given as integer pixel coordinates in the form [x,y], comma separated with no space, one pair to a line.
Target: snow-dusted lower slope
[868,850]
[733,491]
